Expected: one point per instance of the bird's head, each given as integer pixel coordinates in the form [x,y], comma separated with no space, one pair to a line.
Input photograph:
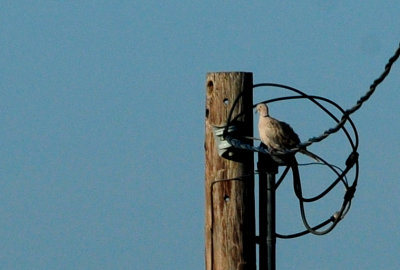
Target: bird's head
[262,109]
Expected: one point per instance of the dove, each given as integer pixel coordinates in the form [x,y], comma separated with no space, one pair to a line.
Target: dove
[278,135]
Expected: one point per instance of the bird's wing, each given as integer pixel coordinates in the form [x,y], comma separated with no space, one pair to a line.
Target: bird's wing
[286,136]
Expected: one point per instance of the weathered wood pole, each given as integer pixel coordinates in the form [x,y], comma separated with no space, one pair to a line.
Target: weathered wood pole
[229,204]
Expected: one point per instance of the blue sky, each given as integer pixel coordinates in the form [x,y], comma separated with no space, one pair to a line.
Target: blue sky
[102,126]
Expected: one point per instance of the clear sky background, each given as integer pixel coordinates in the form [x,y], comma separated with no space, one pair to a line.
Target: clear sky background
[102,126]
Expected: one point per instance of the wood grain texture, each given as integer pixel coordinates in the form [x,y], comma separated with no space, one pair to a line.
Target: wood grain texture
[229,206]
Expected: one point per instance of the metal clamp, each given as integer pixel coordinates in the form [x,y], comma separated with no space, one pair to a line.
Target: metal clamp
[225,149]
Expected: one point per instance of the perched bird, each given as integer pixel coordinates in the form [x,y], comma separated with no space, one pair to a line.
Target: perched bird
[277,135]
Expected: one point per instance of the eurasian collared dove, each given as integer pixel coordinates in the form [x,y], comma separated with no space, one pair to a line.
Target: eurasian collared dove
[277,135]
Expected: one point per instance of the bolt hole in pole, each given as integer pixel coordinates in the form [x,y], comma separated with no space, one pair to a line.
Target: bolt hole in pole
[210,87]
[226,101]
[226,198]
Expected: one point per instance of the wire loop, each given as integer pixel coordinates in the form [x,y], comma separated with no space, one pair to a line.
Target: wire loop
[351,161]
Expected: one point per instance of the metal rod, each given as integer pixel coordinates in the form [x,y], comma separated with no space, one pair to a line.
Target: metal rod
[268,168]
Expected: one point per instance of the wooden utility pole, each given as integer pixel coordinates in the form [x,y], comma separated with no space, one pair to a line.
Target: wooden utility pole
[229,182]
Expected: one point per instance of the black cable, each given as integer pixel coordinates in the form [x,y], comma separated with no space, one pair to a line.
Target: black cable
[330,187]
[339,215]
[347,113]
[314,98]
[282,177]
[354,145]
[351,161]
[345,182]
[290,236]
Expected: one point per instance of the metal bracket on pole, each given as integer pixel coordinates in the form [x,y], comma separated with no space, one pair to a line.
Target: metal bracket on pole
[225,149]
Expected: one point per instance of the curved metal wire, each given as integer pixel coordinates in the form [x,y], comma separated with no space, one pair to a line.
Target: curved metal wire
[351,161]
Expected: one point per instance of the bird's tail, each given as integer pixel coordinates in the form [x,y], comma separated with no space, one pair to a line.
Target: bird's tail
[311,155]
